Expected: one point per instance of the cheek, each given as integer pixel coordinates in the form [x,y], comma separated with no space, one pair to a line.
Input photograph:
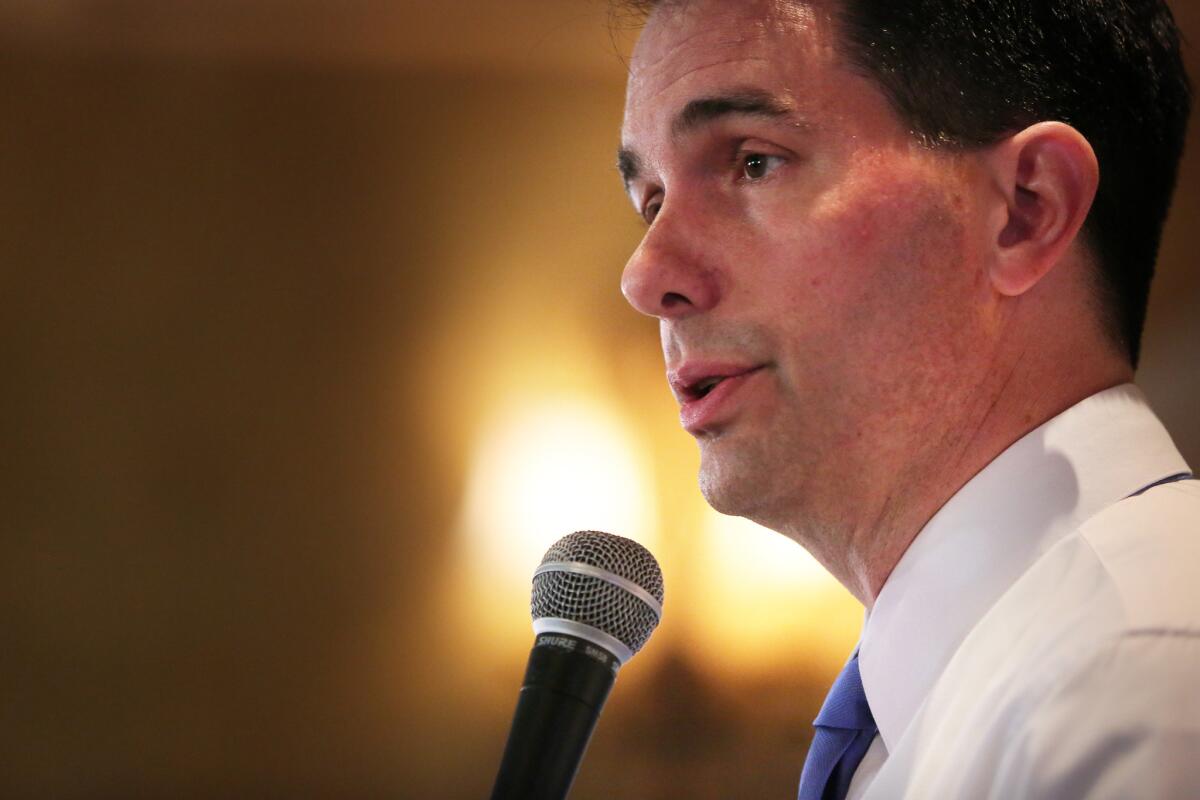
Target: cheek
[880,285]
[891,247]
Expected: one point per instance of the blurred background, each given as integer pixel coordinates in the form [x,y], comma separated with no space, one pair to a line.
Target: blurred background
[312,343]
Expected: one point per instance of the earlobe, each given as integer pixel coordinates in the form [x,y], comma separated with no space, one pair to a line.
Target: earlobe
[1048,175]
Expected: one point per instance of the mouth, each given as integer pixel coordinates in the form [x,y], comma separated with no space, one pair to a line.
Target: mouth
[707,392]
[701,388]
[695,382]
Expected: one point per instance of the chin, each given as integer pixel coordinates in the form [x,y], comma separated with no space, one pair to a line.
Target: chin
[762,478]
[730,489]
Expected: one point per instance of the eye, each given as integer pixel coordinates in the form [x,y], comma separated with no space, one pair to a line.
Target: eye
[651,209]
[756,166]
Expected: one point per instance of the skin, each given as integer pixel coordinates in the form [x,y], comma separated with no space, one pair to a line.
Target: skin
[911,312]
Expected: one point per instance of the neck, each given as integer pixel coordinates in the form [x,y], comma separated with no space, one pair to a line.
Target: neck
[1015,393]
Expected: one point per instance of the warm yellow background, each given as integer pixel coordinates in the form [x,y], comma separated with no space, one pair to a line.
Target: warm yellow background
[312,343]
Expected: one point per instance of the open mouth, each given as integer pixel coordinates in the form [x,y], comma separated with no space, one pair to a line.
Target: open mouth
[703,387]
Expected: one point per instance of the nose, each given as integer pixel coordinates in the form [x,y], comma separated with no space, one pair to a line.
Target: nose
[669,276]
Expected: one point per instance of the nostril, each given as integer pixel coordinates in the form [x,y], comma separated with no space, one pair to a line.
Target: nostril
[672,299]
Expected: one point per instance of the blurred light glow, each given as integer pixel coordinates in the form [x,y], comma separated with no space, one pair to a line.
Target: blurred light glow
[765,599]
[542,470]
[748,553]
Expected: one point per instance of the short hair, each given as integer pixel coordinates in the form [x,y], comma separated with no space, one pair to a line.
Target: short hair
[966,73]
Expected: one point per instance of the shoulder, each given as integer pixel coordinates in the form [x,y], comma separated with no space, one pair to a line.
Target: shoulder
[1080,681]
[1114,604]
[1148,548]
[1121,715]
[1122,722]
[1132,571]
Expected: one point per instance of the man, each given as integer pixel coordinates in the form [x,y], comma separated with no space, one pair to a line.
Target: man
[900,254]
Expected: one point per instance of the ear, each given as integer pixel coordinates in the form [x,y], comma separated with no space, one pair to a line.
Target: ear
[1047,176]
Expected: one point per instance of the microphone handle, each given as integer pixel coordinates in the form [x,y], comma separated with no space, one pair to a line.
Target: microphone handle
[566,683]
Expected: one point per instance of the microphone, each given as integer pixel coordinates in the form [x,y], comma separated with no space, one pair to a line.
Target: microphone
[596,600]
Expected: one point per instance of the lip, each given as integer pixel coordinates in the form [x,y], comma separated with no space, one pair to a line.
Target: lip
[699,411]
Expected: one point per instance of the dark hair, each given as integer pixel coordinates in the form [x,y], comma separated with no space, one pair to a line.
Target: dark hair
[966,73]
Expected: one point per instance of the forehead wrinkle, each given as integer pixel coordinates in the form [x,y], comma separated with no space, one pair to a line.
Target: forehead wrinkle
[726,27]
[726,35]
[691,38]
[728,40]
[692,69]
[673,45]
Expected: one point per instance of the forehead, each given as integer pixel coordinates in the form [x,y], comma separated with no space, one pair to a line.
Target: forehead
[699,47]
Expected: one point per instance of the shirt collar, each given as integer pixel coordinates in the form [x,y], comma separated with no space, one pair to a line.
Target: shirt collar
[1033,494]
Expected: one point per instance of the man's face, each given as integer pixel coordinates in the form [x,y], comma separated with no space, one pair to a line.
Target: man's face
[802,248]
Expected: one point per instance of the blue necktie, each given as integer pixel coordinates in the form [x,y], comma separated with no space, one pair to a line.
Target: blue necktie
[844,730]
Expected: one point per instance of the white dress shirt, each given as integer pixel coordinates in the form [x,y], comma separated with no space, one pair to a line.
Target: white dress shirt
[1041,636]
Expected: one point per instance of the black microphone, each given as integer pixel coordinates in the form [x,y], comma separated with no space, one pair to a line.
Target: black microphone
[596,600]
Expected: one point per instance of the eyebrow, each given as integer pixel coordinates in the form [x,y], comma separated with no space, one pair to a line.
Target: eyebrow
[706,110]
[629,165]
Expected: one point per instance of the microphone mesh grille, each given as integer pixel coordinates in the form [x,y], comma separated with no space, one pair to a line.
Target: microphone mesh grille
[594,601]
